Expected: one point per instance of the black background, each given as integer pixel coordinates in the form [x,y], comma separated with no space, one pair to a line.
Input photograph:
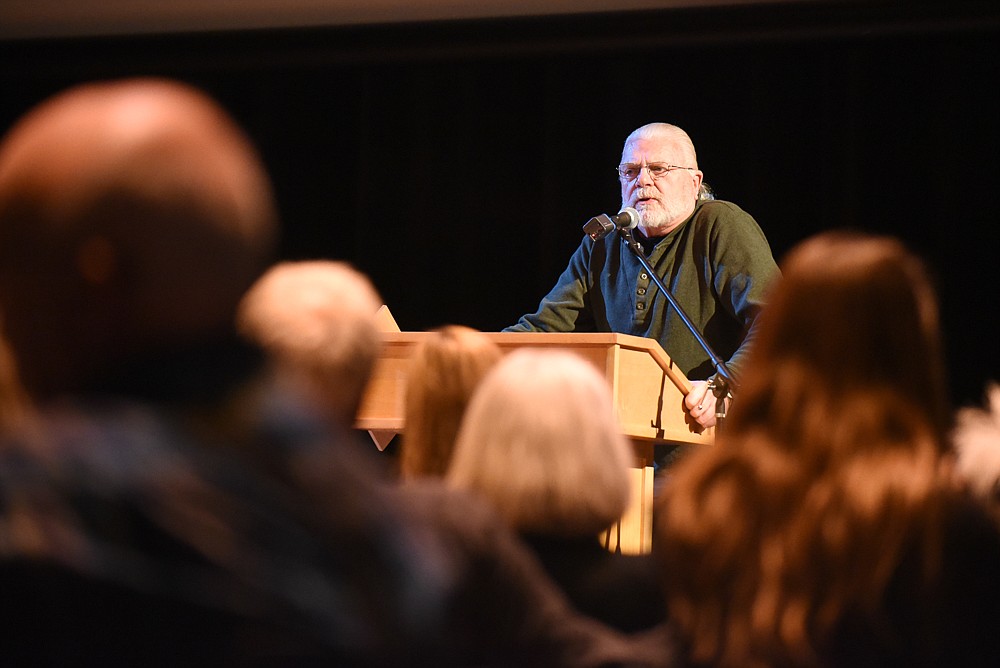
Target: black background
[455,162]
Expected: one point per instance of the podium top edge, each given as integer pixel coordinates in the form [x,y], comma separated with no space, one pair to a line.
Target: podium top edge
[542,338]
[564,340]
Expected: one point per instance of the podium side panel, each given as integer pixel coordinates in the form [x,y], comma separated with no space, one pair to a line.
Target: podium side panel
[649,405]
[382,408]
[633,532]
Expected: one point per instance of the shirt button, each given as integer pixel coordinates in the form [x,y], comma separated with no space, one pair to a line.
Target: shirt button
[641,306]
[643,276]
[641,291]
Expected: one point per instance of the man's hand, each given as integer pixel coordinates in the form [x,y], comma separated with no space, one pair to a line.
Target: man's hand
[700,403]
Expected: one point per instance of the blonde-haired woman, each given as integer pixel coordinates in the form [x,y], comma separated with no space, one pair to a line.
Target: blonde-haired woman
[541,442]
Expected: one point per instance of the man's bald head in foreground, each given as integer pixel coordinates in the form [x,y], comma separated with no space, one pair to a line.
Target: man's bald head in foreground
[133,216]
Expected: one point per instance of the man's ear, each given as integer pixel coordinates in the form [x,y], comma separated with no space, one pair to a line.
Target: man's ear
[697,175]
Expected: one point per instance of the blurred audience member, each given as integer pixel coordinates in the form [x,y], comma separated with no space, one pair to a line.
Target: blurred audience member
[822,528]
[15,408]
[540,441]
[443,373]
[133,217]
[317,321]
[977,444]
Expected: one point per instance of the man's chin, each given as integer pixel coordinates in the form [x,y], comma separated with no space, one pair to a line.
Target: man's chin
[651,218]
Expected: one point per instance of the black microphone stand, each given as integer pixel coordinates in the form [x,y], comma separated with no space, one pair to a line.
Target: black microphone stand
[723,383]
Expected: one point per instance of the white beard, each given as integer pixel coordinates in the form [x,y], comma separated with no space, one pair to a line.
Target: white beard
[659,217]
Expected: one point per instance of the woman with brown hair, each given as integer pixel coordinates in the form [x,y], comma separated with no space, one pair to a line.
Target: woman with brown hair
[444,371]
[821,528]
[15,408]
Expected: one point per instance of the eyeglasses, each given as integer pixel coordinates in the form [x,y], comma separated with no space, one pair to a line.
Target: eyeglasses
[628,171]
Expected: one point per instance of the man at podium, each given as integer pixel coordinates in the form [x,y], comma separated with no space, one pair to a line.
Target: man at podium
[711,255]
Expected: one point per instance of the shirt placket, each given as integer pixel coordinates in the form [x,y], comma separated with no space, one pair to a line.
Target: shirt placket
[645,290]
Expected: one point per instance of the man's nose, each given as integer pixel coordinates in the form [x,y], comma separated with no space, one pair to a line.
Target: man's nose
[644,178]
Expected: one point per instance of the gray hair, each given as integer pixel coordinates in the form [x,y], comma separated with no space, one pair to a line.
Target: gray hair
[548,452]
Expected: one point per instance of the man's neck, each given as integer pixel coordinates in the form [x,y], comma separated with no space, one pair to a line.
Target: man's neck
[646,241]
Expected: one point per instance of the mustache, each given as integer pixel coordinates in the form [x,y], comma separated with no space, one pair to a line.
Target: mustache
[644,193]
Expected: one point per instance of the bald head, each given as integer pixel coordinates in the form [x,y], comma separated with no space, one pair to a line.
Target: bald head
[133,215]
[318,321]
[668,134]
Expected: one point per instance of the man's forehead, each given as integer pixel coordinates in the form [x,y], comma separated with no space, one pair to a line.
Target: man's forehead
[658,149]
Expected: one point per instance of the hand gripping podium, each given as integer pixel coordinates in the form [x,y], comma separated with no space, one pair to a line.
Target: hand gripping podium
[648,392]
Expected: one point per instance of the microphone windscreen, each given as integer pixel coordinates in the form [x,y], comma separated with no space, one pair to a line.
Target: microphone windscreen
[633,217]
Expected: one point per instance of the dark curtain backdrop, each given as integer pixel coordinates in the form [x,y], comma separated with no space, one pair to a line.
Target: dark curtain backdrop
[456,162]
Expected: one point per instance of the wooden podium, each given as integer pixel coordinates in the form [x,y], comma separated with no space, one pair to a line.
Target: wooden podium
[648,393]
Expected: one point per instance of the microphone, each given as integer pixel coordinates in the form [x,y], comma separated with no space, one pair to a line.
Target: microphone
[601,226]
